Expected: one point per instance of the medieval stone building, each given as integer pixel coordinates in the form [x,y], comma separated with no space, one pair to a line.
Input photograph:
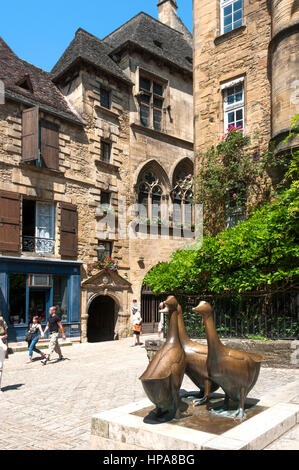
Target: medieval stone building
[246,70]
[111,126]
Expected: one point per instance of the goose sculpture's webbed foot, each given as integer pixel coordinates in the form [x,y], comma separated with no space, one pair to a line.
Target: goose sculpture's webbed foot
[220,410]
[234,414]
[200,401]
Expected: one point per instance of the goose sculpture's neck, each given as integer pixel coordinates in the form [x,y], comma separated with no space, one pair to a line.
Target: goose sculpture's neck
[214,343]
[184,338]
[173,332]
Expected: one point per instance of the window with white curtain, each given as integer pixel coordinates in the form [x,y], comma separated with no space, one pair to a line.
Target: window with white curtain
[234,104]
[44,228]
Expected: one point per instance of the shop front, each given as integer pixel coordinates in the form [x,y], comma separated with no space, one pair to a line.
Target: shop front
[30,286]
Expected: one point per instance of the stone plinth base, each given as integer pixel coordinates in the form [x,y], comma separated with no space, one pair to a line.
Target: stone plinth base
[125,428]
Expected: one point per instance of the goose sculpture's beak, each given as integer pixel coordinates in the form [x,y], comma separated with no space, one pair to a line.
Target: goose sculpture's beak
[163,308]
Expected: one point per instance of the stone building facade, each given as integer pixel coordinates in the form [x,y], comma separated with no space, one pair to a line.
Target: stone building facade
[245,71]
[111,124]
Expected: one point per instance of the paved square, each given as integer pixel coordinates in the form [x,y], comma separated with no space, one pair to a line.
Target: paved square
[51,407]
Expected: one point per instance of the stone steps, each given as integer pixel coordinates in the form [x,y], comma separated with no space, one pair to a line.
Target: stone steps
[42,344]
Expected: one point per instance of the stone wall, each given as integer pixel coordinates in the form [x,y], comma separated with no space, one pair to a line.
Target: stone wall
[160,152]
[280,354]
[220,58]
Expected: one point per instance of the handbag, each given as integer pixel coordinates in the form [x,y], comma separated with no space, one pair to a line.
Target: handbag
[137,328]
[28,337]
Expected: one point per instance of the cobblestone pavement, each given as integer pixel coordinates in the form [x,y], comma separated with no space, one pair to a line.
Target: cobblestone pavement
[50,407]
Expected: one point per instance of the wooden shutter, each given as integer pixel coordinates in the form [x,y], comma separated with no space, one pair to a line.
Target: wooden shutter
[68,230]
[10,208]
[49,142]
[30,134]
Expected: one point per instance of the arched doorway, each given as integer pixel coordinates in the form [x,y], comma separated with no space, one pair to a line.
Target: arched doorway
[101,319]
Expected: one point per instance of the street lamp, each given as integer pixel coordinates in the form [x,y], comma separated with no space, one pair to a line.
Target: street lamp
[101,252]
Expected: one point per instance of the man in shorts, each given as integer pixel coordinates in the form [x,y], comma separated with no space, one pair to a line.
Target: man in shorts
[54,325]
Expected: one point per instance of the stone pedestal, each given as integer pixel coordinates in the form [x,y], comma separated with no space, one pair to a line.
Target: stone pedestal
[126,428]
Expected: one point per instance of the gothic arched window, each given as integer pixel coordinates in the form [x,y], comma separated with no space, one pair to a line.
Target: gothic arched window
[150,195]
[182,194]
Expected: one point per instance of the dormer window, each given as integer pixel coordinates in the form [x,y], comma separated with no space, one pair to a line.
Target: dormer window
[25,83]
[151,101]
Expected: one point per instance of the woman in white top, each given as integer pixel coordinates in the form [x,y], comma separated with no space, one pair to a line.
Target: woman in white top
[137,323]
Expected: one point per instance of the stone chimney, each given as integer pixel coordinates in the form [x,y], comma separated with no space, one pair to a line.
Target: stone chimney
[167,13]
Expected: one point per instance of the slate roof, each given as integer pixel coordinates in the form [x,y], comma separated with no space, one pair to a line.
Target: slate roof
[143,30]
[89,48]
[44,92]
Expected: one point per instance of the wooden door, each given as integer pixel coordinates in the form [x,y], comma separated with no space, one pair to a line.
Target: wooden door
[101,320]
[150,310]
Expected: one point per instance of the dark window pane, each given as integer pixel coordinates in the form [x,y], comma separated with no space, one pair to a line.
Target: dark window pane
[230,99]
[231,117]
[237,24]
[144,115]
[158,89]
[228,10]
[105,152]
[28,228]
[227,28]
[156,209]
[228,20]
[238,15]
[60,299]
[238,5]
[239,114]
[17,298]
[145,99]
[157,120]
[158,103]
[145,84]
[105,197]
[105,98]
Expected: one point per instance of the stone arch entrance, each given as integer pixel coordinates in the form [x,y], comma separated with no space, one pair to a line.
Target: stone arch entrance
[101,319]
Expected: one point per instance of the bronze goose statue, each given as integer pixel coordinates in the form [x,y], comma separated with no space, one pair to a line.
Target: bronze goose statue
[196,362]
[236,372]
[164,375]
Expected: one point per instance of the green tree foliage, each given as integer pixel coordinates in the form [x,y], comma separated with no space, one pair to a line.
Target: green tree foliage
[229,178]
[258,254]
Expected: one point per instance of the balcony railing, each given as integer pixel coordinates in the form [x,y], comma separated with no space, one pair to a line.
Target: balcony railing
[38,245]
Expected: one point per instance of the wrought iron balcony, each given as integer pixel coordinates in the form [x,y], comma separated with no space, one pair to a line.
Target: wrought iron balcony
[38,245]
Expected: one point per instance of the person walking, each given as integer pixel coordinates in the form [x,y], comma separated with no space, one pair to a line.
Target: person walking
[137,325]
[36,332]
[161,322]
[3,347]
[54,325]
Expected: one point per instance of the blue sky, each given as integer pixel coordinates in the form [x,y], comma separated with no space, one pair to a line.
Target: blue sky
[39,31]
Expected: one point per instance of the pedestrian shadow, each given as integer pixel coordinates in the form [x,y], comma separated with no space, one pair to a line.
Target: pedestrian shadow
[12,387]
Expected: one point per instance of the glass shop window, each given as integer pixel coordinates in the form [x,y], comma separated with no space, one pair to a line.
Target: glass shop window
[17,299]
[60,296]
